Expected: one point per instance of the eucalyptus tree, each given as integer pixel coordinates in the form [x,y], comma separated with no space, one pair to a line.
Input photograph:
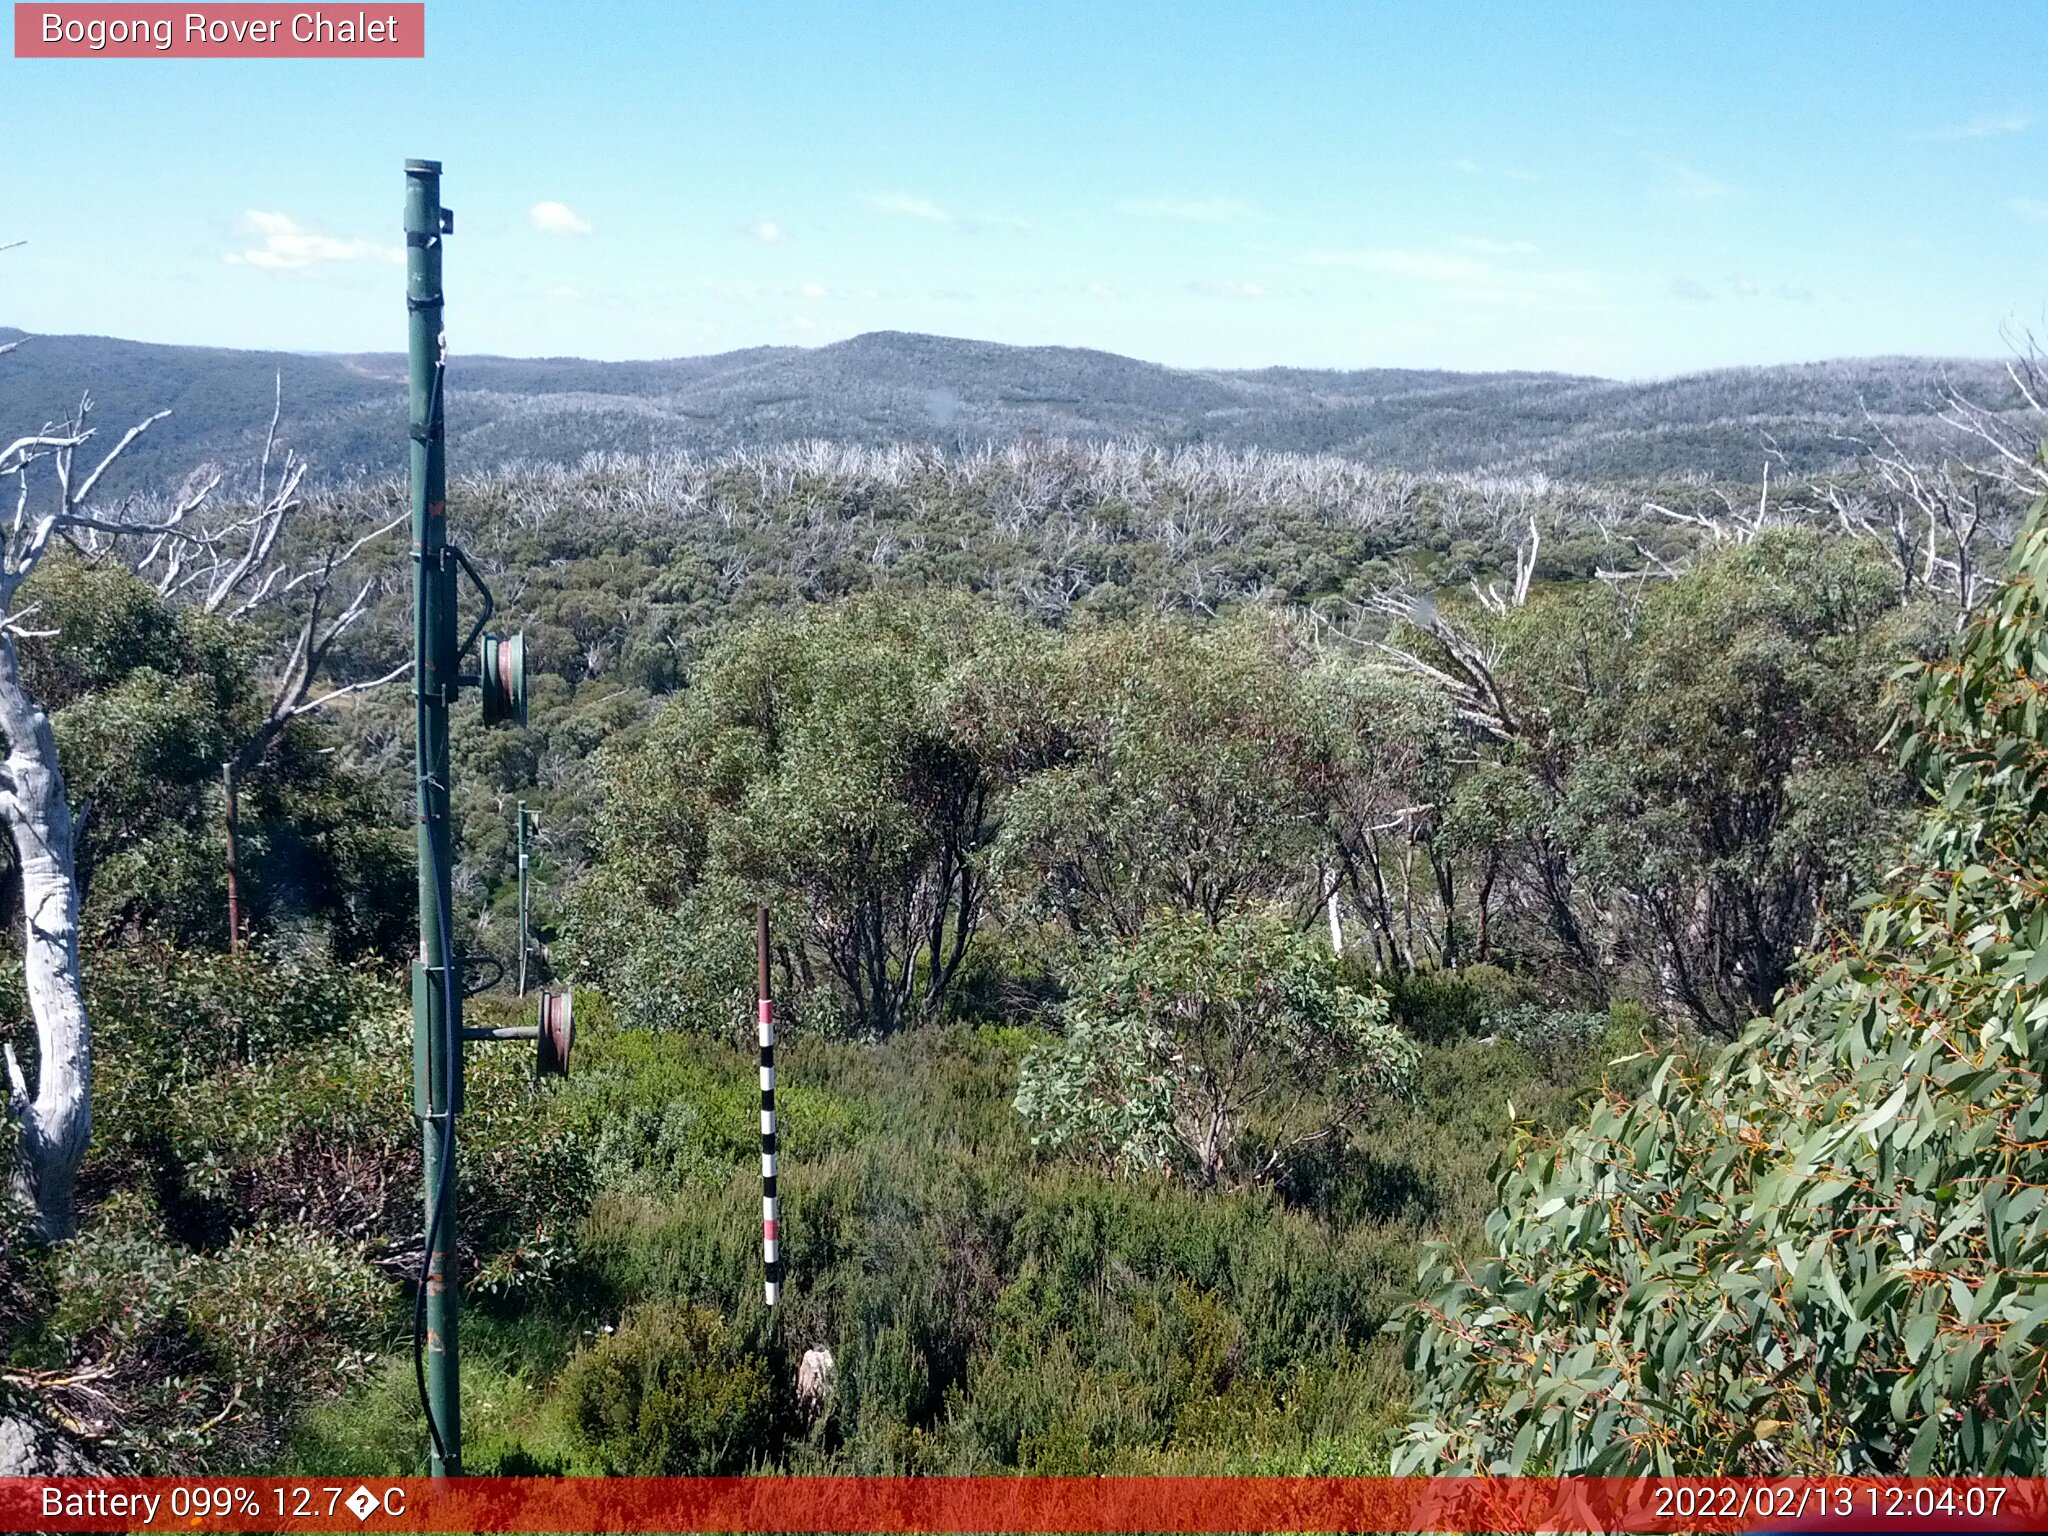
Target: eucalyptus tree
[1401,754]
[1194,771]
[1709,758]
[1215,1049]
[847,765]
[1823,1251]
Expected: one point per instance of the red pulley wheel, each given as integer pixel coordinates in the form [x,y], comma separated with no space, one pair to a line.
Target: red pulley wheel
[557,1031]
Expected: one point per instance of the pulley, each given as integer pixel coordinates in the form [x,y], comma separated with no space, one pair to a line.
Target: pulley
[557,1031]
[502,679]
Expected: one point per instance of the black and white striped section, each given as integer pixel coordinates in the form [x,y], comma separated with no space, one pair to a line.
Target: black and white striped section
[771,1237]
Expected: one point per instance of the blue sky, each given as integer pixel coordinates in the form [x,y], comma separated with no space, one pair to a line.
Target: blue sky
[1626,189]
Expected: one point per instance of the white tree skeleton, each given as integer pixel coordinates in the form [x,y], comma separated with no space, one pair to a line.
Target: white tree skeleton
[226,566]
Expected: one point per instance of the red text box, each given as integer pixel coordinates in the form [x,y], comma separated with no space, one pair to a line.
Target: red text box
[371,30]
[1054,1506]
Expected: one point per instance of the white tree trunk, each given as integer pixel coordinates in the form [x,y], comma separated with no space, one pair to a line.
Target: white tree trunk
[1336,914]
[56,1119]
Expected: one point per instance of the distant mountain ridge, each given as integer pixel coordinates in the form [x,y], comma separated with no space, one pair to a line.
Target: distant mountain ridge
[346,412]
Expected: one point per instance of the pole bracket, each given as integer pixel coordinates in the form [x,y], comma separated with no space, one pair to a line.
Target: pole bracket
[483,590]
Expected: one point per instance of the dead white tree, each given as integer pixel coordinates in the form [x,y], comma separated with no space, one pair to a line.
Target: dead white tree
[54,1118]
[1945,522]
[222,559]
[1498,603]
[1930,519]
[234,558]
[1464,662]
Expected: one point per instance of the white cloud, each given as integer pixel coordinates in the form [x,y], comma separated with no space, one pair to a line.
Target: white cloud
[2031,208]
[1234,290]
[906,205]
[1474,168]
[1100,291]
[910,207]
[768,232]
[284,245]
[1465,277]
[1495,247]
[1198,210]
[1736,286]
[557,219]
[814,290]
[1985,125]
[1685,183]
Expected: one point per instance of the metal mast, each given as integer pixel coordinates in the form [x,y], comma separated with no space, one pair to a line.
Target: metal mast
[437,984]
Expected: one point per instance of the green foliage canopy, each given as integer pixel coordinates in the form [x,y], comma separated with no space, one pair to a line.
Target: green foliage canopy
[1218,1050]
[148,701]
[1824,1252]
[1708,756]
[1194,770]
[844,765]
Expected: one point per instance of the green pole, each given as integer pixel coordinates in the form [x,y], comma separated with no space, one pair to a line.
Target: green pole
[437,982]
[524,943]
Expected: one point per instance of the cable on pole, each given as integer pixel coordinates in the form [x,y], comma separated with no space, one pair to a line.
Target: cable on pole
[445,1450]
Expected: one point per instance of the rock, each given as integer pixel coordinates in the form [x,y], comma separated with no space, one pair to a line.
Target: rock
[814,1382]
[31,1446]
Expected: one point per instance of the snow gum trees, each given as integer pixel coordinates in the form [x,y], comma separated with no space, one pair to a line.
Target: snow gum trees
[225,557]
[1822,1253]
[1214,1050]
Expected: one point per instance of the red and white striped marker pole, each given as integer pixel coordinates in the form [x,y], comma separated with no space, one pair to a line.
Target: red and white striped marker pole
[771,1237]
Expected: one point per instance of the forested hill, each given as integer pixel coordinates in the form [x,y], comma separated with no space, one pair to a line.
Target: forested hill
[345,412]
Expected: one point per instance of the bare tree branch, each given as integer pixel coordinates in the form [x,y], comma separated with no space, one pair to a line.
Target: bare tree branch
[343,692]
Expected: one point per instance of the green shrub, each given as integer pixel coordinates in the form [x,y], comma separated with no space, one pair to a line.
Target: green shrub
[669,1395]
[26,1284]
[213,1354]
[309,1119]
[689,967]
[661,1111]
[1009,975]
[1823,1253]
[1564,1042]
[1437,1007]
[1216,1050]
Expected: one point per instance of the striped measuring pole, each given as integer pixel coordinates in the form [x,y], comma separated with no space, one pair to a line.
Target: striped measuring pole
[771,1237]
